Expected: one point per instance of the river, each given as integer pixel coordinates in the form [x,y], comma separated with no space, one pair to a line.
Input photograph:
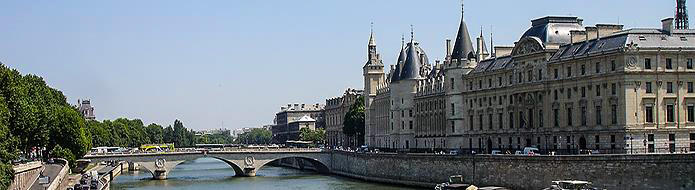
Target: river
[211,174]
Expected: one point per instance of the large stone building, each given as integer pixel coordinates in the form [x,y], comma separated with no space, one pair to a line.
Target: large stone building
[293,115]
[85,107]
[334,114]
[562,87]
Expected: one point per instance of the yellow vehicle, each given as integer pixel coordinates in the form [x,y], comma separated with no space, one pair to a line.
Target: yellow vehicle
[157,147]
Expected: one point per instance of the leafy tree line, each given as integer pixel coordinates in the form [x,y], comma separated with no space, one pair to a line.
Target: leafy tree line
[316,136]
[255,136]
[124,132]
[32,114]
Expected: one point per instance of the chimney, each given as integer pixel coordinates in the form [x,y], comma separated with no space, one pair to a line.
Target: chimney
[591,33]
[448,48]
[577,36]
[608,29]
[503,50]
[667,25]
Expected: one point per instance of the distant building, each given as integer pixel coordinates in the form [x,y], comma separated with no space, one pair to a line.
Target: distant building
[214,132]
[294,112]
[85,107]
[335,111]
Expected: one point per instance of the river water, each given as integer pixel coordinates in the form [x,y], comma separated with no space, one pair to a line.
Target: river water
[211,174]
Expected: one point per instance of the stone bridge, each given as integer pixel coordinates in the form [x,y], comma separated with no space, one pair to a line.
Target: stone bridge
[244,163]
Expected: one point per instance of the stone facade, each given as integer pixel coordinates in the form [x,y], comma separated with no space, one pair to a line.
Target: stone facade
[85,107]
[562,87]
[282,131]
[335,111]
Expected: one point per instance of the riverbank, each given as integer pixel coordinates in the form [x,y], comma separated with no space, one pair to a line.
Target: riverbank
[654,171]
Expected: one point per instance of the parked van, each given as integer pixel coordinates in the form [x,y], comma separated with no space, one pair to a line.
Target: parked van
[530,151]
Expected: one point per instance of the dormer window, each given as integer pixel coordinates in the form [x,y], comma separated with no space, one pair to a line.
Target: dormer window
[642,38]
[683,38]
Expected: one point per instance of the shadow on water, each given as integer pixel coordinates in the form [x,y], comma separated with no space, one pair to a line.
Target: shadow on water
[209,173]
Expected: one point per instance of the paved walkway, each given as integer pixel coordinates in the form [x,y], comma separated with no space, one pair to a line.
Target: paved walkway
[50,170]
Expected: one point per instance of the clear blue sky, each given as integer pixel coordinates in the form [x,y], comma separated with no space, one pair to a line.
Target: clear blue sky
[237,62]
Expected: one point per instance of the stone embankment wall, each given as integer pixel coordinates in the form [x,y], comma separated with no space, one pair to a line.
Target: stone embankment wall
[25,175]
[657,171]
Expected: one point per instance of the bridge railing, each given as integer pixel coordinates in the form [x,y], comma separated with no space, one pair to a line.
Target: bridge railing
[228,149]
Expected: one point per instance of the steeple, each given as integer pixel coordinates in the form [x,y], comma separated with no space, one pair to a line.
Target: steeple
[372,55]
[681,17]
[371,36]
[482,47]
[463,47]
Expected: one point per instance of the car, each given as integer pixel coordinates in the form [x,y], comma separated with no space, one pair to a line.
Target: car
[496,152]
[519,152]
[454,152]
[531,151]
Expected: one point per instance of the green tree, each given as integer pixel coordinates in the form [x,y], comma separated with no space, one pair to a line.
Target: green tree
[354,122]
[255,136]
[316,136]
[155,133]
[7,150]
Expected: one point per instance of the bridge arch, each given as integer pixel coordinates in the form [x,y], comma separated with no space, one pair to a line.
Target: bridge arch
[318,164]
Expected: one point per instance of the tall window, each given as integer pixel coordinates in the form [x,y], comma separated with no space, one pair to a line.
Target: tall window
[690,87]
[556,118]
[511,120]
[500,119]
[489,83]
[647,63]
[669,113]
[569,71]
[614,114]
[540,118]
[691,113]
[540,74]
[583,68]
[598,90]
[598,116]
[649,114]
[410,124]
[649,87]
[583,91]
[555,94]
[669,87]
[690,63]
[555,73]
[669,63]
[569,116]
[583,116]
[499,81]
[612,65]
[470,122]
[614,89]
[530,75]
[452,83]
[453,109]
[489,121]
[452,127]
[569,93]
[480,122]
[597,67]
[692,141]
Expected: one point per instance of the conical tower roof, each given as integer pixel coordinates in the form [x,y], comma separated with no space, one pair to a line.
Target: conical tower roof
[463,47]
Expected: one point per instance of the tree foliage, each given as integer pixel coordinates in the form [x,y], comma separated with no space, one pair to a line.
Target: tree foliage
[32,114]
[255,136]
[353,124]
[317,136]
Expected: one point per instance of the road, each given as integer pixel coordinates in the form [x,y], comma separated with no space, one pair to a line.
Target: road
[50,170]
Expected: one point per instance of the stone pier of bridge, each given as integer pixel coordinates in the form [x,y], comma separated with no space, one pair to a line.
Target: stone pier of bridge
[244,163]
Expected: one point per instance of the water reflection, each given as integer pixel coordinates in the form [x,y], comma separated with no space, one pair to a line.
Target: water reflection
[208,173]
